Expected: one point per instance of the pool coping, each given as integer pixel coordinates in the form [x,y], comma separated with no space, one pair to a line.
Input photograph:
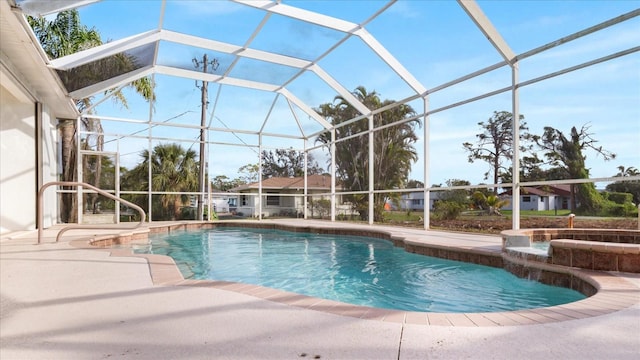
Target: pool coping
[613,292]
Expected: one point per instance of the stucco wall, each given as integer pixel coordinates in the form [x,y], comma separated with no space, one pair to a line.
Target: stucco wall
[18,184]
[49,165]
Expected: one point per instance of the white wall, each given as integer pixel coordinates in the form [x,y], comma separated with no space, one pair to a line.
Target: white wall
[18,184]
[49,165]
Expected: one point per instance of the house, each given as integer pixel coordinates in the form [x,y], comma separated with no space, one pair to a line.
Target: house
[33,102]
[284,196]
[541,198]
[414,200]
[222,204]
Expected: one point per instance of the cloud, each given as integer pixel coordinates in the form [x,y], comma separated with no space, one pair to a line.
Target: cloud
[404,9]
[197,7]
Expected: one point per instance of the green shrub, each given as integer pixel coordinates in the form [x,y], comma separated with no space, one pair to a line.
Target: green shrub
[620,210]
[447,210]
[619,197]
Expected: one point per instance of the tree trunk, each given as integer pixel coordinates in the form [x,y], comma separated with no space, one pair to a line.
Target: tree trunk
[573,198]
[69,203]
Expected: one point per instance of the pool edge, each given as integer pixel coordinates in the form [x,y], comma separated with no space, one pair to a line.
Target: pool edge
[612,293]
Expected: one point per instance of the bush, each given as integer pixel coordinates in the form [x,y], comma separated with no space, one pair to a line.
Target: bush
[187,213]
[447,210]
[626,210]
[290,213]
[619,197]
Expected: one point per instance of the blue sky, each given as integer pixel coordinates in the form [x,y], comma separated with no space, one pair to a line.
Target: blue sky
[434,40]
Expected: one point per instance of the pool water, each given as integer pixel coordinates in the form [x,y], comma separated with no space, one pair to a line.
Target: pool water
[351,269]
[541,245]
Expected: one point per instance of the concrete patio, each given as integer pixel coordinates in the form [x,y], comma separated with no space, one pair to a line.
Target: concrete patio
[60,301]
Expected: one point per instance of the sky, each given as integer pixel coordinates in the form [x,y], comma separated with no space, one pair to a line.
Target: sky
[435,41]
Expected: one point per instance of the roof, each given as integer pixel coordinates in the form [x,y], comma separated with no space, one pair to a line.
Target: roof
[265,84]
[543,190]
[244,50]
[314,182]
[24,66]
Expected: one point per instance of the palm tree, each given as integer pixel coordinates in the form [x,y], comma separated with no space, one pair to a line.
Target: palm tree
[393,147]
[566,152]
[173,169]
[63,36]
[627,171]
[491,202]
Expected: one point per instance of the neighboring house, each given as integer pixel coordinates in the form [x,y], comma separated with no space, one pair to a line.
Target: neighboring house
[541,198]
[219,203]
[222,204]
[282,195]
[414,200]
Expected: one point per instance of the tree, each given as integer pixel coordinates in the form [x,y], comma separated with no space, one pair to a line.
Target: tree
[223,183]
[451,203]
[495,143]
[95,202]
[63,36]
[415,184]
[393,147]
[490,202]
[249,173]
[173,169]
[627,186]
[627,171]
[567,154]
[535,172]
[287,163]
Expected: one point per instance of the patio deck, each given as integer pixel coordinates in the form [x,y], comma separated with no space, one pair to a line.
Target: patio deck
[63,301]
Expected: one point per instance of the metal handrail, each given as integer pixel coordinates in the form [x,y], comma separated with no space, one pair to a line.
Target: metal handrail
[71,227]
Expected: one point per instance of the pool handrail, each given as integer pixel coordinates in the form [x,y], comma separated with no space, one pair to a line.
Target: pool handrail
[40,223]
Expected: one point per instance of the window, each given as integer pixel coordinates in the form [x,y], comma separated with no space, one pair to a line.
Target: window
[526,199]
[273,200]
[416,202]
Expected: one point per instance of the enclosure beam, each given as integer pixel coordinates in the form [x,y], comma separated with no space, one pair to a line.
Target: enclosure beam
[371,169]
[515,163]
[426,162]
[79,171]
[333,174]
[259,177]
[306,185]
[490,32]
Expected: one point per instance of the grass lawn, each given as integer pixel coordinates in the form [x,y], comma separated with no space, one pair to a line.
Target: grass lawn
[561,212]
[400,216]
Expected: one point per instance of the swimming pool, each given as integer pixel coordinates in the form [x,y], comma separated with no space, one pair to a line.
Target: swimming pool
[351,269]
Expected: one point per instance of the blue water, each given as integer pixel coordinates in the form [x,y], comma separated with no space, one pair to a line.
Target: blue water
[352,269]
[541,245]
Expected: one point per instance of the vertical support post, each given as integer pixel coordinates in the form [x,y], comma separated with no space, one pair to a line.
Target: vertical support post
[333,174]
[371,169]
[117,181]
[208,200]
[260,176]
[515,103]
[79,172]
[150,172]
[306,168]
[426,162]
[151,111]
[39,143]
